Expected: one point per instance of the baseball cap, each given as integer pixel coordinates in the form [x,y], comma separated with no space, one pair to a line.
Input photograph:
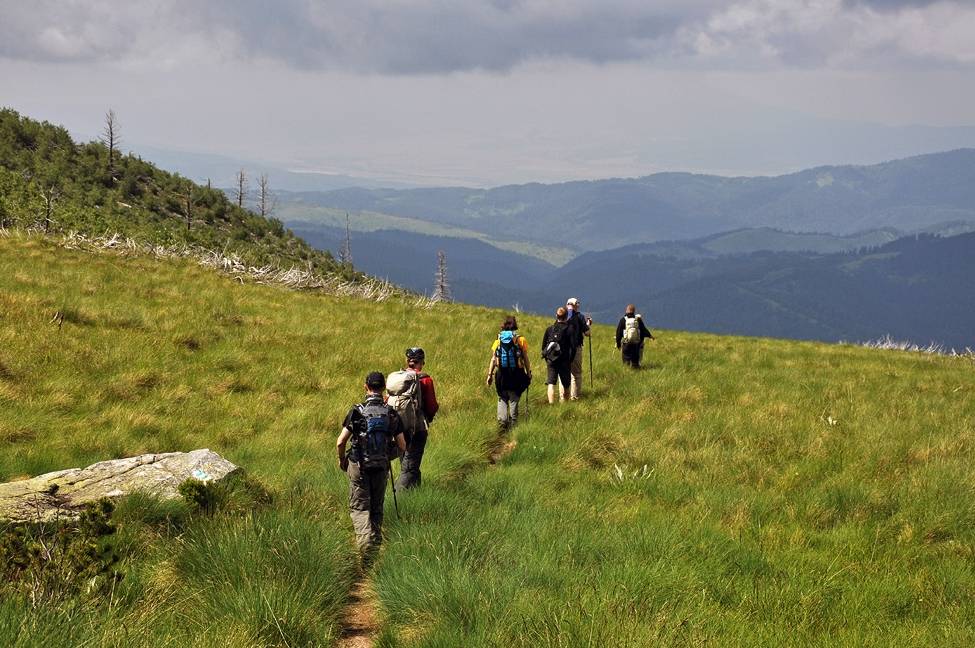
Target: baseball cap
[571,301]
[375,380]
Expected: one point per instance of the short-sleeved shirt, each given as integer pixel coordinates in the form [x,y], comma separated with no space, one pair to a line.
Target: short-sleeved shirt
[522,344]
[354,415]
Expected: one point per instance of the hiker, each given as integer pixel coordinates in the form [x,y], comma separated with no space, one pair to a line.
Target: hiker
[412,395]
[630,333]
[580,331]
[509,362]
[558,349]
[373,427]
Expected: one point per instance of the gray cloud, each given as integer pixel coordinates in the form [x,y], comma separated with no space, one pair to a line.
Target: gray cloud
[890,5]
[434,37]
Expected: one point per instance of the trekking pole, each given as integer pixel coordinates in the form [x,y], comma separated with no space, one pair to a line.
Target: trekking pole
[393,484]
[590,362]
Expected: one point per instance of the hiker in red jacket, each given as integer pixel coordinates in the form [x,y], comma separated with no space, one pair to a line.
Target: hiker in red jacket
[412,395]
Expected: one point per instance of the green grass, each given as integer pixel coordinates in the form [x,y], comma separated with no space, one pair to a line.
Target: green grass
[740,491]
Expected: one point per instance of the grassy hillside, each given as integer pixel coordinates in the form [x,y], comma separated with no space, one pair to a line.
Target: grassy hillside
[49,182]
[740,491]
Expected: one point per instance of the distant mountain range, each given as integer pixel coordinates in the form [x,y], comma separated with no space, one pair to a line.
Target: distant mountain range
[907,194]
[831,253]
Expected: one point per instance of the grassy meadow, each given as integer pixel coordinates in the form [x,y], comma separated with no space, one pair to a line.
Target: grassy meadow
[739,491]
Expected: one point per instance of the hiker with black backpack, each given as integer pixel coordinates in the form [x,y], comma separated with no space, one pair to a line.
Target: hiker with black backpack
[558,349]
[510,370]
[630,334]
[376,432]
[412,395]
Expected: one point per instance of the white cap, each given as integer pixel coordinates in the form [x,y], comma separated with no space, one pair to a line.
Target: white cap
[571,301]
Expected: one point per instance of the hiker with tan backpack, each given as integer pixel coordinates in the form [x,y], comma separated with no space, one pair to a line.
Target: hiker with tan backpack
[412,395]
[630,334]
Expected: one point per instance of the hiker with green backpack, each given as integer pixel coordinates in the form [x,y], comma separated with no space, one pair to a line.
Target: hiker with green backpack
[412,395]
[630,334]
[510,370]
[376,432]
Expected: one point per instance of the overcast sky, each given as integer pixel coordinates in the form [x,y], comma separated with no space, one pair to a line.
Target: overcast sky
[484,93]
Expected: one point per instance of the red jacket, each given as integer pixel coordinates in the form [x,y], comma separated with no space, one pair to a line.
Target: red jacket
[428,396]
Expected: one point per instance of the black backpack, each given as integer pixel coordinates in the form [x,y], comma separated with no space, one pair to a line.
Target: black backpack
[371,439]
[559,343]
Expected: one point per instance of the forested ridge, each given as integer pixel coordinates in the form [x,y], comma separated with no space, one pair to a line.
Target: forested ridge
[52,183]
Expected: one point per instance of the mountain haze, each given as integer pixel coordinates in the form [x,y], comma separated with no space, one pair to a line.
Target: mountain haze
[906,194]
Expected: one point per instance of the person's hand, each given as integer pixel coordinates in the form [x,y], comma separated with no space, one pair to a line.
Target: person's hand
[490,378]
[344,464]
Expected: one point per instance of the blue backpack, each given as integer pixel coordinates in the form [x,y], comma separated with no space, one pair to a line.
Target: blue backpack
[371,440]
[508,352]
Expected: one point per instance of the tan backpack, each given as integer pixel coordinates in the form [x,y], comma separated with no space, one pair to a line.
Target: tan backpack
[406,398]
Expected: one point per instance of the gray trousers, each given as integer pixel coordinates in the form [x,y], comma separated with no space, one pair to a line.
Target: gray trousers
[508,411]
[409,475]
[575,369]
[367,492]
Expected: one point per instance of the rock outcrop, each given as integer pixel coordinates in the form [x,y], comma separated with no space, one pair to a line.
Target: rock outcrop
[63,493]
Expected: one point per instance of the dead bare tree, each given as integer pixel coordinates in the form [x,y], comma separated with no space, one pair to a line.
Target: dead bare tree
[110,138]
[266,201]
[441,287]
[241,188]
[188,202]
[50,196]
[345,254]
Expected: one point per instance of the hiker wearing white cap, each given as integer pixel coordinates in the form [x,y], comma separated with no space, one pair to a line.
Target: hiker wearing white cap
[579,324]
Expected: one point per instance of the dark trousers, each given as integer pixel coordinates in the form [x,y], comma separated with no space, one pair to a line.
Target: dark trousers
[631,355]
[367,492]
[409,475]
[560,371]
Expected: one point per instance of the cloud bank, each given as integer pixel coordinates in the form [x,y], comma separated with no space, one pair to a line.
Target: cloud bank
[436,37]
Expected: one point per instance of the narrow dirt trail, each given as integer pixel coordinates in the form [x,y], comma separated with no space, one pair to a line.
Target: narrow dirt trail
[359,619]
[359,622]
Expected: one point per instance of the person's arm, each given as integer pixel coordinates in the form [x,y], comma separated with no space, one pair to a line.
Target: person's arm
[619,332]
[396,428]
[644,331]
[430,404]
[340,448]
[491,367]
[523,343]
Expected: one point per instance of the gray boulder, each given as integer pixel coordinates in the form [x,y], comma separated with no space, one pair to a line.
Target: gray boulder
[63,493]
